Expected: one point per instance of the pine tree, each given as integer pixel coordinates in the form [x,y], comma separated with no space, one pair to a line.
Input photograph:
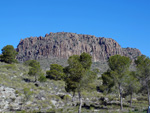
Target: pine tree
[55,72]
[143,68]
[8,54]
[79,75]
[35,69]
[116,76]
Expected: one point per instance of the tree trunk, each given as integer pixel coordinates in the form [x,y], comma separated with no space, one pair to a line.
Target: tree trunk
[73,96]
[148,95]
[131,100]
[80,100]
[121,106]
[35,78]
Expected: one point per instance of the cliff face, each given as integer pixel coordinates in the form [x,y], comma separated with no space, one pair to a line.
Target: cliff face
[63,45]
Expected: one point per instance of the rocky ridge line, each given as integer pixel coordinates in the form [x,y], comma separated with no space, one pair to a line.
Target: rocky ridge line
[64,44]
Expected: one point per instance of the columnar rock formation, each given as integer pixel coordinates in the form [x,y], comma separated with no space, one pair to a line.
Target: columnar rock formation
[63,45]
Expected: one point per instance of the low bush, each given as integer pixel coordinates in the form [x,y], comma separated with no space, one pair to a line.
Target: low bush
[42,78]
[9,66]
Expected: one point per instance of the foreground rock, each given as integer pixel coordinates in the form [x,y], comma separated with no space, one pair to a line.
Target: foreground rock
[9,100]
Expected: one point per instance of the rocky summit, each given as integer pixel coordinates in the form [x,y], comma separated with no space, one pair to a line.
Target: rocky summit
[64,44]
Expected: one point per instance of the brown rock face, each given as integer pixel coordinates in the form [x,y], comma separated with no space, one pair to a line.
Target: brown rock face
[63,45]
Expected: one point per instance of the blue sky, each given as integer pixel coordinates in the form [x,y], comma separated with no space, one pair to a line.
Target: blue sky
[126,21]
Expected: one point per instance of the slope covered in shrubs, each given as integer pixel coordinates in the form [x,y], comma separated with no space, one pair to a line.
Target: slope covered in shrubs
[51,96]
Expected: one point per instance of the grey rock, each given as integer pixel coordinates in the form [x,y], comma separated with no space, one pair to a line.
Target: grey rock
[63,45]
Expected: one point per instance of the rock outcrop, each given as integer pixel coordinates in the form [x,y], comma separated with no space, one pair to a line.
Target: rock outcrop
[9,100]
[63,45]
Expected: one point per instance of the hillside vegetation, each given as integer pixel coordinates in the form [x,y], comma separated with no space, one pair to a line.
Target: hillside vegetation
[75,85]
[51,95]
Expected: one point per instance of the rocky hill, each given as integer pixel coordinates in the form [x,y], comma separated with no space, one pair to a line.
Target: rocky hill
[63,45]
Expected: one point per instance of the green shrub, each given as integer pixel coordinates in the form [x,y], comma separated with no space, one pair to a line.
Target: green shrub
[26,63]
[23,111]
[51,110]
[9,66]
[55,72]
[42,78]
[27,93]
[16,92]
[67,98]
[8,54]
